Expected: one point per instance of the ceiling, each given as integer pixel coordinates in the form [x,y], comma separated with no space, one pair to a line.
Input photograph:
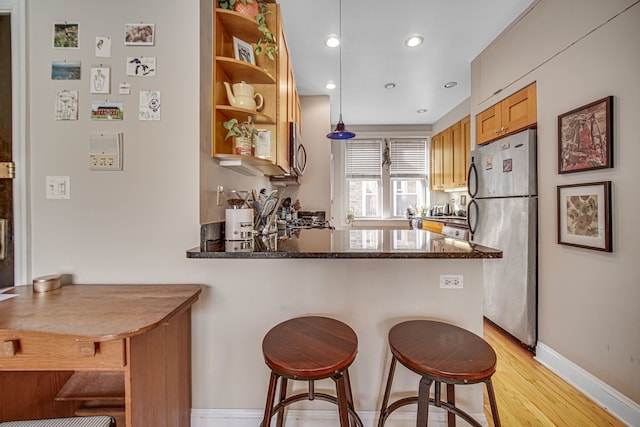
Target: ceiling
[373,53]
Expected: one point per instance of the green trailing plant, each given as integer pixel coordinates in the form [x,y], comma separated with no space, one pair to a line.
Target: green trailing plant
[245,129]
[267,42]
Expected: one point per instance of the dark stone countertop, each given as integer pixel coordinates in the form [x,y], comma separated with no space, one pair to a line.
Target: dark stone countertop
[350,243]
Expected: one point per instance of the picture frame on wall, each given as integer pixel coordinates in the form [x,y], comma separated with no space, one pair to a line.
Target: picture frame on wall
[584,215]
[66,35]
[141,34]
[585,137]
[243,51]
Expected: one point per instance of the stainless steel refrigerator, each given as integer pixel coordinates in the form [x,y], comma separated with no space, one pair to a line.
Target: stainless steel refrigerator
[503,215]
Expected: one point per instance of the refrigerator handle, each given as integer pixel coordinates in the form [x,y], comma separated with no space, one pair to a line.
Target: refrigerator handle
[472,217]
[472,183]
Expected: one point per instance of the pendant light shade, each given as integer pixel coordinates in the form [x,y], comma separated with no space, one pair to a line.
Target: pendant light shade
[340,132]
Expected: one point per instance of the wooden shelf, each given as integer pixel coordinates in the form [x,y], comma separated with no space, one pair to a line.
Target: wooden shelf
[241,70]
[241,26]
[90,385]
[248,165]
[241,114]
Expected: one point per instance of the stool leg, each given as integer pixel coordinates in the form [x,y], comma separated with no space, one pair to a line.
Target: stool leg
[347,382]
[423,402]
[271,394]
[387,392]
[341,391]
[451,399]
[492,402]
[283,395]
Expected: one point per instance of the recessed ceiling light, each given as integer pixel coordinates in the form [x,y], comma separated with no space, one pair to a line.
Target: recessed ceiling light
[422,111]
[449,85]
[414,41]
[330,85]
[332,41]
[390,85]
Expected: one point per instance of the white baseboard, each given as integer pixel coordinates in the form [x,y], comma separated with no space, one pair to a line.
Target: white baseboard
[313,418]
[610,399]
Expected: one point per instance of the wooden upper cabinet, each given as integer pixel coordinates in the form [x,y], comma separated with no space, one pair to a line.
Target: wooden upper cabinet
[273,79]
[461,136]
[450,156]
[436,163]
[512,114]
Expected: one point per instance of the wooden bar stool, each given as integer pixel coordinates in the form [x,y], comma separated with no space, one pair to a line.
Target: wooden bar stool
[444,354]
[307,349]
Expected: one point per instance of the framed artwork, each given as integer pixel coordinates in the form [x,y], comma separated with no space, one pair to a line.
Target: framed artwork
[139,34]
[584,215]
[243,51]
[65,35]
[585,137]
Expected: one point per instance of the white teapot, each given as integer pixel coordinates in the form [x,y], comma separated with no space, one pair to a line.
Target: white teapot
[243,96]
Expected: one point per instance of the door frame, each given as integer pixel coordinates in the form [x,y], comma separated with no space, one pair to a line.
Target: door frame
[16,8]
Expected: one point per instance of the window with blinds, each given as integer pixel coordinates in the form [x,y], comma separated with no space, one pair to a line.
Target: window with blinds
[408,158]
[374,191]
[363,158]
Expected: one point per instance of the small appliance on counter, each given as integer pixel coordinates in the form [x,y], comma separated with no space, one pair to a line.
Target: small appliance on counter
[238,223]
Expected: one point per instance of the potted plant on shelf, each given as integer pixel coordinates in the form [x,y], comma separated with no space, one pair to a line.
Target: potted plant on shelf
[243,134]
[258,10]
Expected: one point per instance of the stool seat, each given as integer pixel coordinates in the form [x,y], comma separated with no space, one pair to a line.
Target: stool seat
[442,354]
[310,347]
[442,350]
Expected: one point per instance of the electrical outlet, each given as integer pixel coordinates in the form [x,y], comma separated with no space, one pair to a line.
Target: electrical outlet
[451,281]
[219,197]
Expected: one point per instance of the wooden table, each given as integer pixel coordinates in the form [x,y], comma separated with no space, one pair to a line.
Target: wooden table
[122,350]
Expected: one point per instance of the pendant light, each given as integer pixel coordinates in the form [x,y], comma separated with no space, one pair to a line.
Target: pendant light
[340,132]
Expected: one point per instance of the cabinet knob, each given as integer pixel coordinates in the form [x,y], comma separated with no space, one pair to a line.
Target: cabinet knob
[495,132]
[502,129]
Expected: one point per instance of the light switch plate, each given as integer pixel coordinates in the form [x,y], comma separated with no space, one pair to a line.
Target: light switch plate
[58,187]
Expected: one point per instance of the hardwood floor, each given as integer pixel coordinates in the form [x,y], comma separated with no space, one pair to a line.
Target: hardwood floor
[529,394]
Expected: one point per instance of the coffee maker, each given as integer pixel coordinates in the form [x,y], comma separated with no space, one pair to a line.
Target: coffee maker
[238,224]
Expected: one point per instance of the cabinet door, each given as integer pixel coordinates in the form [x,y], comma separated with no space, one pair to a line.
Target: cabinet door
[488,124]
[436,166]
[459,154]
[519,110]
[282,144]
[466,137]
[447,157]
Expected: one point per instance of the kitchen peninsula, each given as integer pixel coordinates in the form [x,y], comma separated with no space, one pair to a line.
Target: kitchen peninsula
[349,243]
[369,279]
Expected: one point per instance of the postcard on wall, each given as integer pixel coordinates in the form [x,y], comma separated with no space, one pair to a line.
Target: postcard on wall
[103,47]
[141,66]
[107,110]
[100,80]
[65,70]
[139,34]
[65,35]
[66,107]
[149,105]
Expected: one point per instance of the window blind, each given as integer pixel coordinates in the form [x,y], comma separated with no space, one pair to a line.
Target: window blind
[408,158]
[363,158]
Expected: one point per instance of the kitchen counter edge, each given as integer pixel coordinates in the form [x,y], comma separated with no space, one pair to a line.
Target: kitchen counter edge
[479,252]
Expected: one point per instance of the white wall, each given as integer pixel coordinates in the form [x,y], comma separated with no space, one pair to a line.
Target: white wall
[588,300]
[133,225]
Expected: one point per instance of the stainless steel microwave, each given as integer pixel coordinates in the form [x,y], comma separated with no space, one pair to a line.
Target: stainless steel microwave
[298,161]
